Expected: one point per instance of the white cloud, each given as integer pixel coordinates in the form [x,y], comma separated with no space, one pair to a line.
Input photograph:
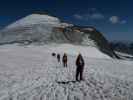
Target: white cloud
[94,15]
[117,20]
[91,14]
[114,19]
[87,16]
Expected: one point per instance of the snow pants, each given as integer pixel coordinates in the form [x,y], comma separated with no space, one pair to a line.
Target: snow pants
[64,63]
[79,73]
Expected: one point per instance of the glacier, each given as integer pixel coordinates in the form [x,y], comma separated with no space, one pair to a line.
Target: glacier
[28,71]
[31,73]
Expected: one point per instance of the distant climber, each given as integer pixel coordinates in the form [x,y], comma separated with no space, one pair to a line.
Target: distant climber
[58,57]
[80,67]
[64,60]
[53,54]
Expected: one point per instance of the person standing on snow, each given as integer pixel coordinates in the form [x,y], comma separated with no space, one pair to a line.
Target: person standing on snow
[53,54]
[58,57]
[80,67]
[64,60]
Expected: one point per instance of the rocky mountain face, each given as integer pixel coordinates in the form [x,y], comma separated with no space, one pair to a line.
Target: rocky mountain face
[42,29]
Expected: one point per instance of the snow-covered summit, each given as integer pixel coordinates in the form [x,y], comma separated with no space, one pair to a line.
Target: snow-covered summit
[43,28]
[35,19]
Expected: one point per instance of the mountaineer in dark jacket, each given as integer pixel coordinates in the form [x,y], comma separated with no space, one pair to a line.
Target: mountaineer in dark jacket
[64,60]
[58,57]
[80,67]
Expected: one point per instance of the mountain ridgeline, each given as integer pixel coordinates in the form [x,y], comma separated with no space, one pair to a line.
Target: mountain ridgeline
[44,29]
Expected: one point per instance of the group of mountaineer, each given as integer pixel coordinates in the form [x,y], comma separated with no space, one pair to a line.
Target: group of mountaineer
[79,64]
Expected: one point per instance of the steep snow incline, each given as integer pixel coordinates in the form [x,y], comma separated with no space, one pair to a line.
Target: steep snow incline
[33,28]
[124,55]
[31,73]
[35,19]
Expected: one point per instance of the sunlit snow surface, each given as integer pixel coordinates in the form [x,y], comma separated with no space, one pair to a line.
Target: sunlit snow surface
[35,19]
[31,73]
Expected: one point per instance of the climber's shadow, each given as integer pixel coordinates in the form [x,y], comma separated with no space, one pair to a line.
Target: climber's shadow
[66,82]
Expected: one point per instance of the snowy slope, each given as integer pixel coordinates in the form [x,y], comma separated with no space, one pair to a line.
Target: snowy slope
[38,28]
[124,55]
[35,19]
[45,29]
[31,73]
[34,27]
[87,51]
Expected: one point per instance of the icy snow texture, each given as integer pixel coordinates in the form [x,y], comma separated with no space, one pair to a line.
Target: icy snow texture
[35,19]
[34,27]
[31,73]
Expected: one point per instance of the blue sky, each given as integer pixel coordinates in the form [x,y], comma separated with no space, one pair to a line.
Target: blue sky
[114,18]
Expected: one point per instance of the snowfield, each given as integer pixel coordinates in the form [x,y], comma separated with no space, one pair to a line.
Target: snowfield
[31,73]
